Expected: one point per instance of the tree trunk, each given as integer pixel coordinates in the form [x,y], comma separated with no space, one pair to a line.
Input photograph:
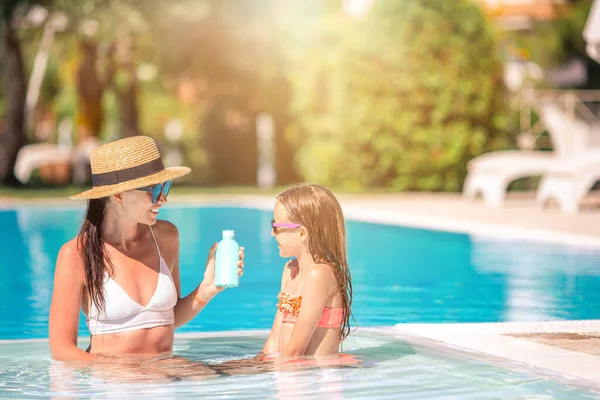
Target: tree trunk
[128,108]
[89,93]
[14,137]
[127,87]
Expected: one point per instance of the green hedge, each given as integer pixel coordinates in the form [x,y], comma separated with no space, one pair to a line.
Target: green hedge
[402,99]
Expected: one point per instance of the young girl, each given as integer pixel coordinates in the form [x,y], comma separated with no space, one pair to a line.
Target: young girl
[313,311]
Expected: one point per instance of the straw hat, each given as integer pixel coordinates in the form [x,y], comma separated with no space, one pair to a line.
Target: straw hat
[126,164]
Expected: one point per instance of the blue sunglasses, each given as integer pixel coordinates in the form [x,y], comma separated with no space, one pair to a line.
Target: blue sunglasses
[157,190]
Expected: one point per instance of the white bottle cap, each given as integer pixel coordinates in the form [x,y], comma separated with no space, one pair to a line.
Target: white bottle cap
[228,234]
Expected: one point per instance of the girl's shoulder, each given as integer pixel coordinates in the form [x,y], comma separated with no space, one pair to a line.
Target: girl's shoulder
[320,281]
[321,271]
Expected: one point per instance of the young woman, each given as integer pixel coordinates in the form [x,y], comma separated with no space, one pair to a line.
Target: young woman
[122,269]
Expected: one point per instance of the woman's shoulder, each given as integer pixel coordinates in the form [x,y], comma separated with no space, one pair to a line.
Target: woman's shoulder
[167,237]
[70,257]
[70,249]
[165,229]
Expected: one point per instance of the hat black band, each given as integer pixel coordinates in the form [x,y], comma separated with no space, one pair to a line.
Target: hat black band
[128,174]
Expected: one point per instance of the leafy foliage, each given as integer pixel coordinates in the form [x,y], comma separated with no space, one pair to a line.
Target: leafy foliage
[402,99]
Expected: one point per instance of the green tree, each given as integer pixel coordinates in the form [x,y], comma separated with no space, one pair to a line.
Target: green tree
[402,99]
[13,138]
[554,42]
[230,52]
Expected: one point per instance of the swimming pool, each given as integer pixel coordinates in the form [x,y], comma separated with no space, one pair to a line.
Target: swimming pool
[392,368]
[399,275]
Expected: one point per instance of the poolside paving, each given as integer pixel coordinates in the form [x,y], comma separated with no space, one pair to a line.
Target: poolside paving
[583,343]
[519,210]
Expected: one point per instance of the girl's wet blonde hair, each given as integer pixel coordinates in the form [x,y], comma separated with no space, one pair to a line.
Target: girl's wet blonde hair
[316,209]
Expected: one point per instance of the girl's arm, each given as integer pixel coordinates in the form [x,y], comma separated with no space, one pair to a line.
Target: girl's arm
[272,342]
[316,291]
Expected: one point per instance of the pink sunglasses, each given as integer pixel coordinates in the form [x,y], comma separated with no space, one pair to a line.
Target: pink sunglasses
[276,225]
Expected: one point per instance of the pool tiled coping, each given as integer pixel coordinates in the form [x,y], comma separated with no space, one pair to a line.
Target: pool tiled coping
[494,339]
[368,210]
[519,210]
[518,220]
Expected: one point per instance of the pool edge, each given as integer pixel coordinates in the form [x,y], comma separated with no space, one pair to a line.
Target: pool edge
[371,215]
[493,339]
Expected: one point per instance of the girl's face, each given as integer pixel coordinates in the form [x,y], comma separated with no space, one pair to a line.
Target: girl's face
[289,235]
[138,206]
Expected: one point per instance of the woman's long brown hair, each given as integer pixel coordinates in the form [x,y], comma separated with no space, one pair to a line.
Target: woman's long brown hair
[316,208]
[95,256]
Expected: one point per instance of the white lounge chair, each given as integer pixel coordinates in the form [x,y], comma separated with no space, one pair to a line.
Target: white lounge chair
[34,156]
[591,32]
[491,173]
[569,183]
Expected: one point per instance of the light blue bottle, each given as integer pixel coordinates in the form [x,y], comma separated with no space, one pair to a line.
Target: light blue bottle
[226,259]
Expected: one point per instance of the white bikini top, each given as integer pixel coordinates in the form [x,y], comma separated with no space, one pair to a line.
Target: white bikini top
[122,313]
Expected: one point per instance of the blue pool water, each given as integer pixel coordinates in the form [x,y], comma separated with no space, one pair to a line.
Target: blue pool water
[399,274]
[391,369]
